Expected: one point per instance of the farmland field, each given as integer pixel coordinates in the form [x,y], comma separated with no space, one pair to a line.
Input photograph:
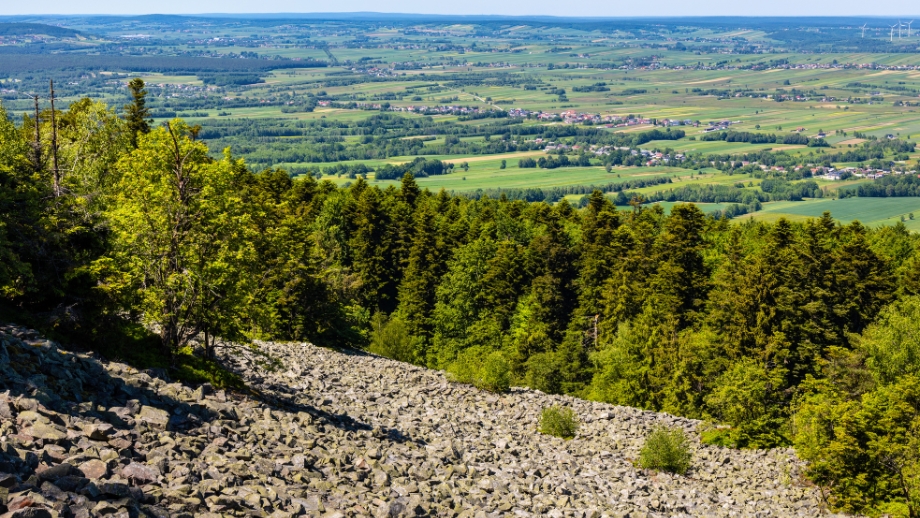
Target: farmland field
[869,211]
[727,108]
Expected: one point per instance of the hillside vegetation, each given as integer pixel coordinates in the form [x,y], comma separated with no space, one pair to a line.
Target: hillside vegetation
[331,434]
[786,333]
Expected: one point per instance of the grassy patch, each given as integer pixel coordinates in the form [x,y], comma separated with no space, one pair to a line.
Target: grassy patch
[192,369]
[717,436]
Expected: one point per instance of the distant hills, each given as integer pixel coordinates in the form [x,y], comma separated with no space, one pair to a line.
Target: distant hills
[26,29]
[368,16]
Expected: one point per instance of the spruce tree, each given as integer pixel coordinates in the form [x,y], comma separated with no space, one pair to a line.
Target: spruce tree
[136,112]
[409,190]
[682,279]
[417,291]
[597,255]
[553,287]
[372,249]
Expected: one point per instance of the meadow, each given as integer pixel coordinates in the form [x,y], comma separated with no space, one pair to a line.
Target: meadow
[868,211]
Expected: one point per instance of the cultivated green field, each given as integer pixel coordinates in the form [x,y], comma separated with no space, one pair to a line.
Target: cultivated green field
[869,211]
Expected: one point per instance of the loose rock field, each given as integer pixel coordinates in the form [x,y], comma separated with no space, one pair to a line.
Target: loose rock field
[324,433]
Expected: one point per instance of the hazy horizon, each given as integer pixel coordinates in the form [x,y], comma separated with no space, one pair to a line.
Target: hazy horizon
[651,8]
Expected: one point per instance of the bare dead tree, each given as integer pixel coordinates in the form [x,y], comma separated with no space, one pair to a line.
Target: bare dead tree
[37,143]
[54,147]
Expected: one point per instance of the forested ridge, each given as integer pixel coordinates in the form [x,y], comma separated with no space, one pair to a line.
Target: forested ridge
[788,333]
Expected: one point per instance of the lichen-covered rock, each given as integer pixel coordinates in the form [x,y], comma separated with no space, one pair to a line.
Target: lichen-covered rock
[324,433]
[154,416]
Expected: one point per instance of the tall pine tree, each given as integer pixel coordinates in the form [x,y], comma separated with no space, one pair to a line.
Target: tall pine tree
[136,112]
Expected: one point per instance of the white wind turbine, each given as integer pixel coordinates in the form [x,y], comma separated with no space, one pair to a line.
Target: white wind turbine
[891,36]
[899,28]
[864,30]
[908,28]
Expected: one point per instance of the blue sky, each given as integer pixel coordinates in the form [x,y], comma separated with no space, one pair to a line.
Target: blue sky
[512,7]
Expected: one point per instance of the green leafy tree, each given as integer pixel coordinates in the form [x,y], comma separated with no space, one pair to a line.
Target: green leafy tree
[390,338]
[459,303]
[91,141]
[182,238]
[866,452]
[892,343]
[47,241]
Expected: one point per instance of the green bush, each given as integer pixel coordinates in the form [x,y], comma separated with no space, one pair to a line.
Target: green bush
[666,449]
[543,373]
[746,397]
[495,374]
[490,372]
[717,436]
[559,421]
[390,338]
[866,453]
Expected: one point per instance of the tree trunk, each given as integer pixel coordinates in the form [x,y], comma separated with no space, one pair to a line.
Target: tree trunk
[208,347]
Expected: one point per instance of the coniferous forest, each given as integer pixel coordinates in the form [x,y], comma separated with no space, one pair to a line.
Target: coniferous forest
[776,334]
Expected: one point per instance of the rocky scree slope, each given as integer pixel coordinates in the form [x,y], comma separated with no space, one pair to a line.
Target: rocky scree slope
[331,434]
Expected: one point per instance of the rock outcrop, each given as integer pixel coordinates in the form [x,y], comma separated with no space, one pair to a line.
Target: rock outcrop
[325,433]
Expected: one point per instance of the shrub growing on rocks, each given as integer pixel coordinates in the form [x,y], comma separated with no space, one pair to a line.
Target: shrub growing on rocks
[390,338]
[495,374]
[543,373]
[559,421]
[666,449]
[491,372]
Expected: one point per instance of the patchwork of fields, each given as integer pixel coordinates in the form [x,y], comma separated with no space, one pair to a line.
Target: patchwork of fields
[308,119]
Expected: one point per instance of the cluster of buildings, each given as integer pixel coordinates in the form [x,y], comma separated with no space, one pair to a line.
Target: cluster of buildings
[792,66]
[831,173]
[423,110]
[861,66]
[651,157]
[617,121]
[377,71]
[659,158]
[179,88]
[444,110]
[678,122]
[573,117]
[798,98]
[606,150]
[719,125]
[21,39]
